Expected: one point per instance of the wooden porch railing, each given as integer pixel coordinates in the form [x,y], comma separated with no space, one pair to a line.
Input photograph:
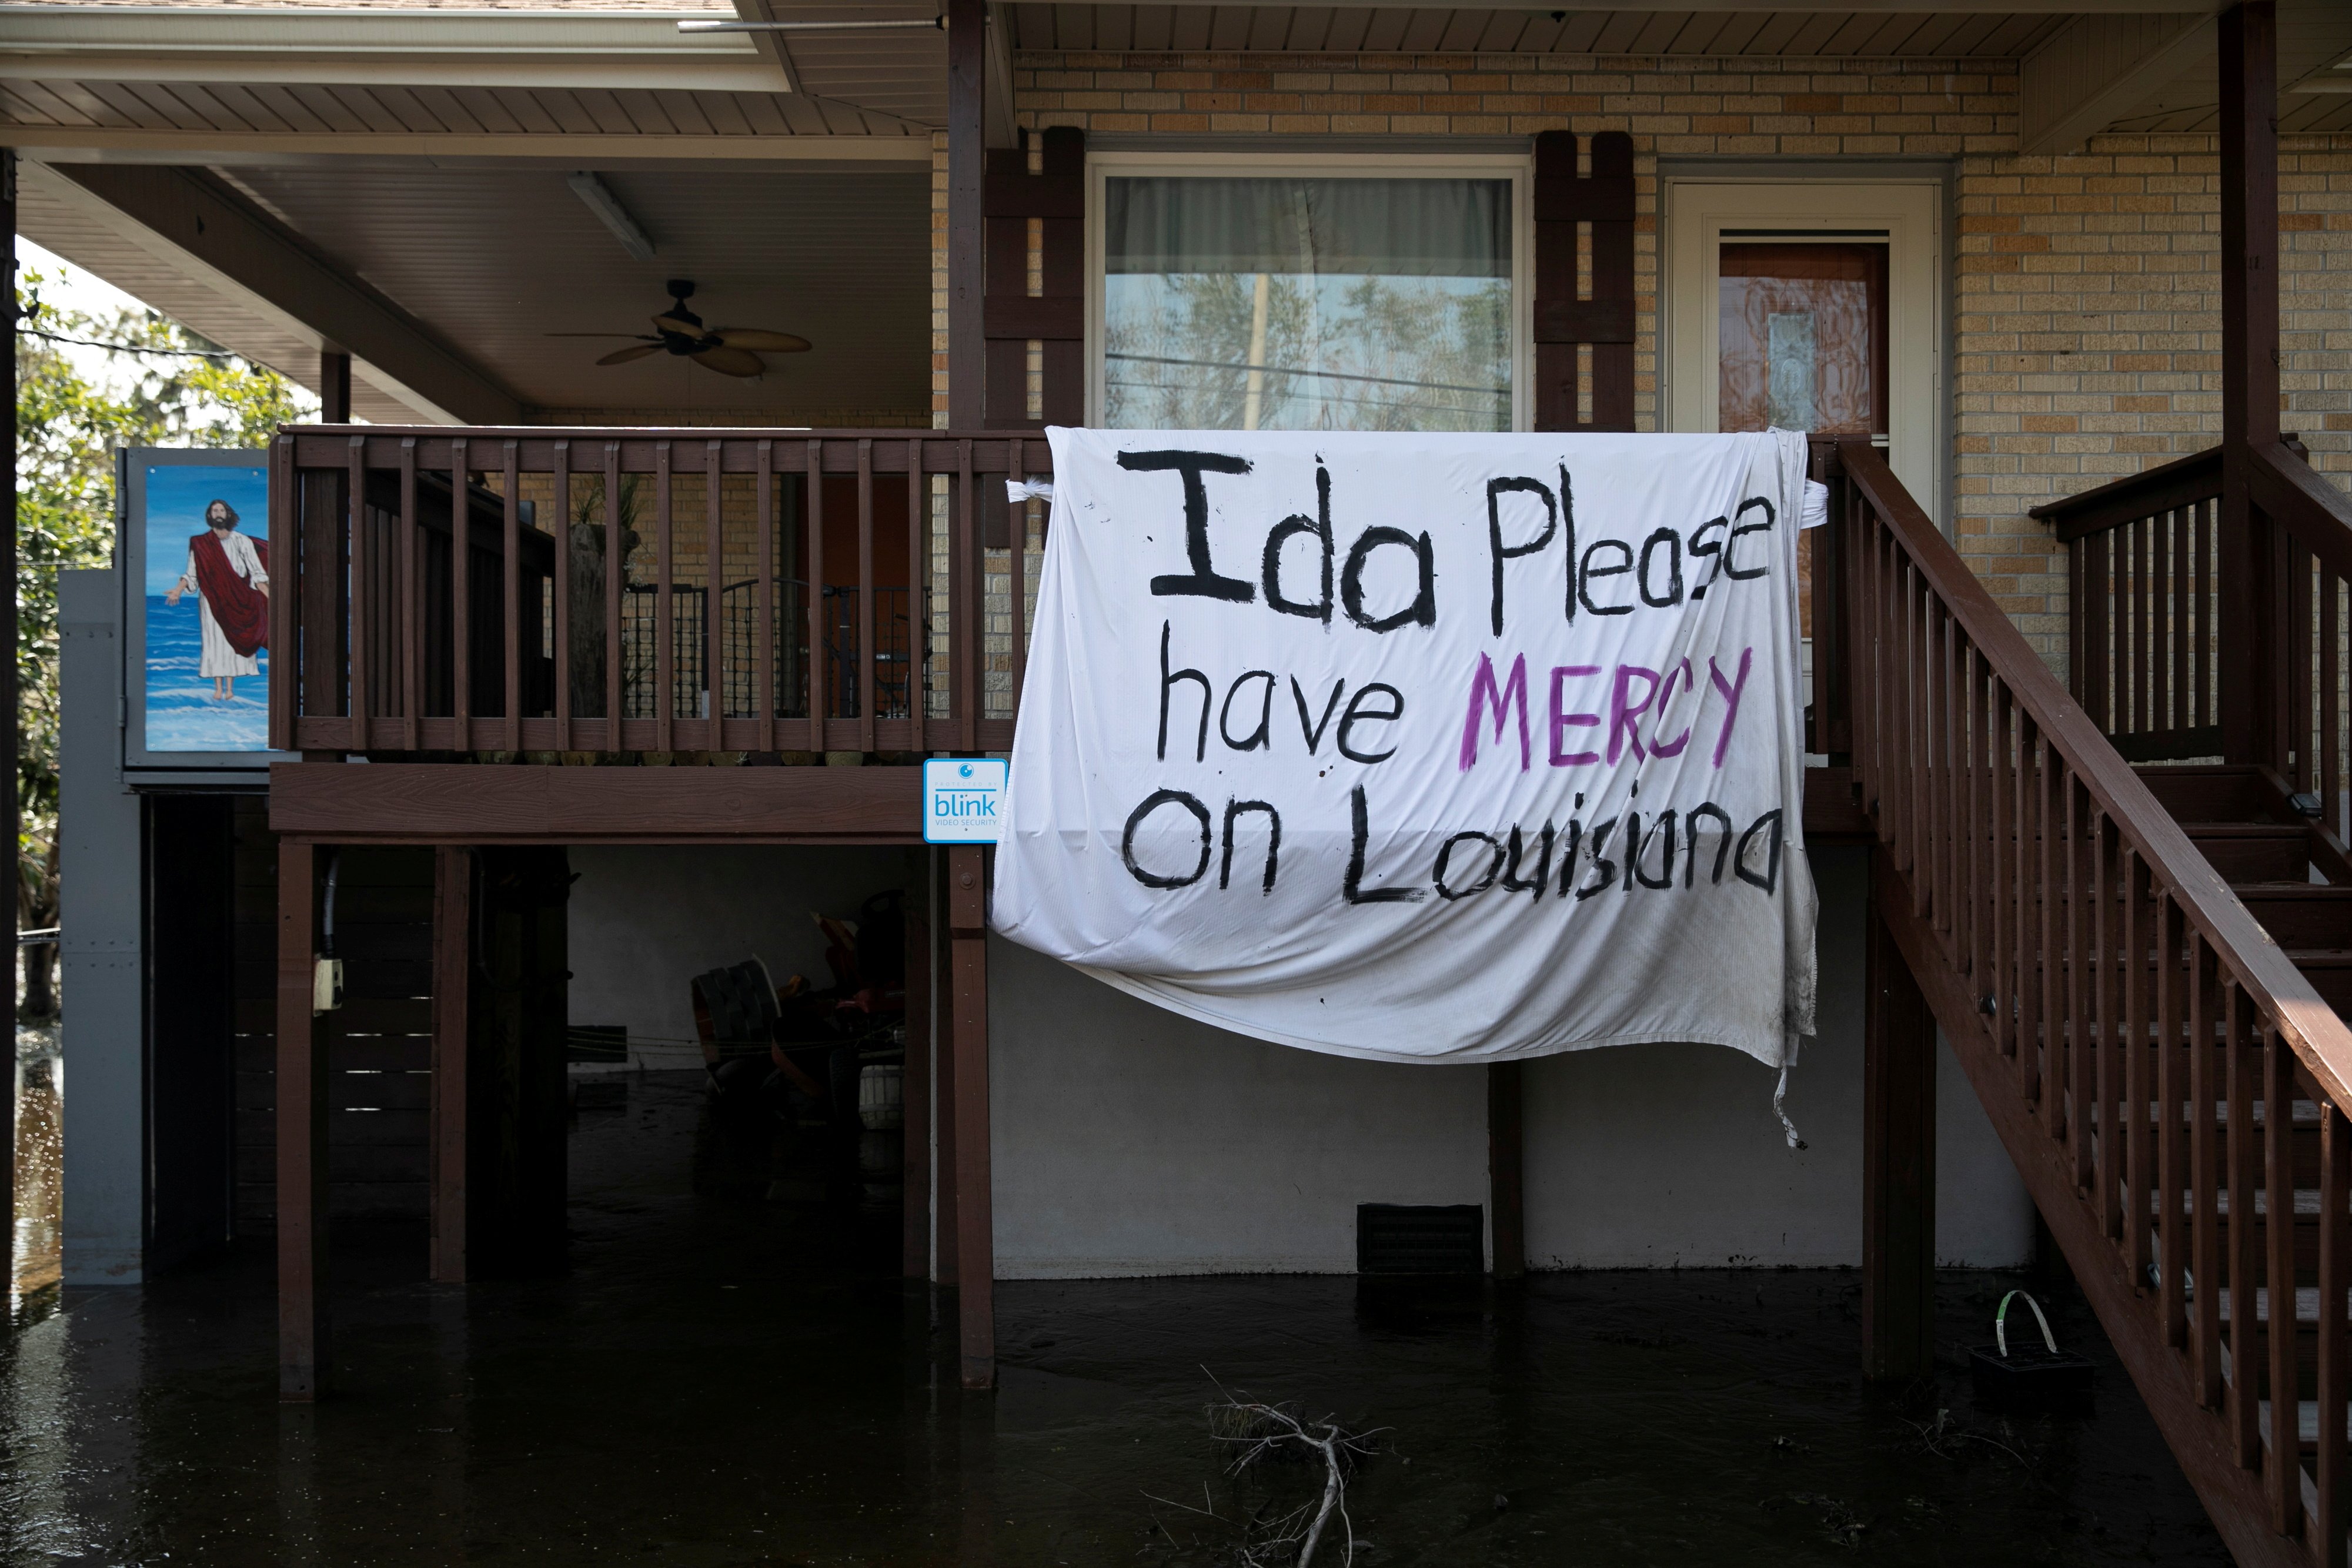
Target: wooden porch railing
[2142,595]
[567,603]
[2155,1064]
[2145,596]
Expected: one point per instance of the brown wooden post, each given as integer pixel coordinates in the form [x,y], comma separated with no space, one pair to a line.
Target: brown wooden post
[302,1358]
[1898,1158]
[8,720]
[1506,1084]
[976,1246]
[967,347]
[915,1240]
[2252,652]
[323,536]
[334,387]
[945,1237]
[453,941]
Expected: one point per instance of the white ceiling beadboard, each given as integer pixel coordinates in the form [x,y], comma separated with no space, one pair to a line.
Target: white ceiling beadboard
[494,259]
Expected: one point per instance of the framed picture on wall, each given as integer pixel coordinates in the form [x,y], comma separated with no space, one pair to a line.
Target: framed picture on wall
[193,547]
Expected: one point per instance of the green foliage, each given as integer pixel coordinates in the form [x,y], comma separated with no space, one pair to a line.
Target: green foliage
[68,431]
[1394,352]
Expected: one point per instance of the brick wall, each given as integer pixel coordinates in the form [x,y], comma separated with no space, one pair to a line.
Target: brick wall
[2085,309]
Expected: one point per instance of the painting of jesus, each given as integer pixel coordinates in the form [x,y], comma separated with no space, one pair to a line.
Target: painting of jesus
[229,574]
[208,605]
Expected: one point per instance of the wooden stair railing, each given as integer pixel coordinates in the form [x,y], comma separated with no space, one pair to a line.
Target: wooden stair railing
[2155,1065]
[2301,575]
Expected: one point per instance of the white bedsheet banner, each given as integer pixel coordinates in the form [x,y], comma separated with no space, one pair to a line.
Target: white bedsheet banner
[1422,748]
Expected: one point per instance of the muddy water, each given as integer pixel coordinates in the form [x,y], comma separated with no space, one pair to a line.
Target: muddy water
[40,1079]
[722,1380]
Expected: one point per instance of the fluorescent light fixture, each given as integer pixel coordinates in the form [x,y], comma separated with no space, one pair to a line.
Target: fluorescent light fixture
[607,207]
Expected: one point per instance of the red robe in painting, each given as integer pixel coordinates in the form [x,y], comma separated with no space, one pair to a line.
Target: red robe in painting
[240,610]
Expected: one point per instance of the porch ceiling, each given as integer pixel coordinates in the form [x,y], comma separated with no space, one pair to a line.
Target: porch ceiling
[2313,36]
[487,260]
[494,259]
[404,71]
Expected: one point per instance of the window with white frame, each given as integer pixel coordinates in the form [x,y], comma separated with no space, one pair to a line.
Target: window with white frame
[1306,302]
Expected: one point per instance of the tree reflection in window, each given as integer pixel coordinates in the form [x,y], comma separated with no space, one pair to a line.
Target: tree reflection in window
[1307,304]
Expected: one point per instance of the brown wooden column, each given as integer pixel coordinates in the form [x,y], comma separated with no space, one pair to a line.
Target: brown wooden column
[1505,1121]
[2253,649]
[334,387]
[946,1242]
[1567,325]
[976,1244]
[453,939]
[914,1239]
[967,348]
[1898,1157]
[301,1101]
[8,719]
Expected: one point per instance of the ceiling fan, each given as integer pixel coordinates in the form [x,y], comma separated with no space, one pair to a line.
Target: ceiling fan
[729,351]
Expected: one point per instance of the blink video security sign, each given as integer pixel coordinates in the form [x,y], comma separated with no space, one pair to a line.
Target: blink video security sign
[962,799]
[1422,748]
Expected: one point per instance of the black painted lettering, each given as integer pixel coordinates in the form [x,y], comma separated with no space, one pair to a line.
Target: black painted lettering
[1568,529]
[1272,841]
[1604,871]
[1586,571]
[1770,879]
[1319,529]
[1485,879]
[1313,733]
[1168,680]
[1358,713]
[1135,819]
[1422,611]
[1567,851]
[1353,888]
[1500,552]
[1262,736]
[1731,545]
[1202,581]
[1512,881]
[1722,846]
[1671,594]
[1663,830]
[1700,545]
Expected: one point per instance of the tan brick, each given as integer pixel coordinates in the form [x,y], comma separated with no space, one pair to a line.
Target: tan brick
[2086,307]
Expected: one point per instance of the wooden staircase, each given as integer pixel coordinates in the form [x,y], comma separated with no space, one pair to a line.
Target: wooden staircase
[2291,874]
[2139,952]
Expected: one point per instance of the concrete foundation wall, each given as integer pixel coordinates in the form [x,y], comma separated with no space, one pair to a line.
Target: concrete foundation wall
[646,919]
[1129,1140]
[1669,1156]
[98,974]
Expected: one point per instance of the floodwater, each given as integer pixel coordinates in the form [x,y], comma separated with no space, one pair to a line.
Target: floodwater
[726,1382]
[40,1109]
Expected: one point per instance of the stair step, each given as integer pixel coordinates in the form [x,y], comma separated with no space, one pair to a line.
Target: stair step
[2255,851]
[2302,916]
[2211,792]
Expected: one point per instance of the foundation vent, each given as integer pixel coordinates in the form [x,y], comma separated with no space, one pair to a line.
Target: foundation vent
[1421,1239]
